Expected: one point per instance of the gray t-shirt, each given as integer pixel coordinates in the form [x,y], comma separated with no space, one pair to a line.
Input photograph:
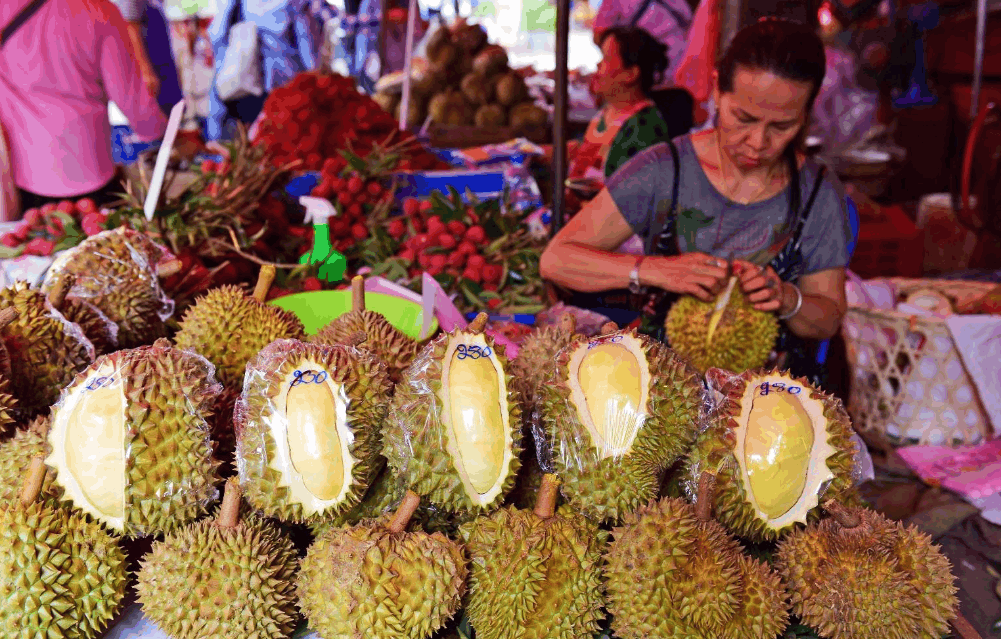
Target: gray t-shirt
[710,223]
[132,10]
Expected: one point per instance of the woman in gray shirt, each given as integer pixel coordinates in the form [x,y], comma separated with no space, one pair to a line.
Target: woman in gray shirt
[740,190]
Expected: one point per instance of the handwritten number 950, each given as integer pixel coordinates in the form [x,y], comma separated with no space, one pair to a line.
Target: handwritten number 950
[308,377]
[100,382]
[473,352]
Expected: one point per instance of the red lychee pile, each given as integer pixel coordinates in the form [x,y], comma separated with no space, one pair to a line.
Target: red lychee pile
[53,227]
[355,197]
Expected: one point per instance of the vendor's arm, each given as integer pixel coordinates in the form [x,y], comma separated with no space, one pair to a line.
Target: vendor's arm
[824,302]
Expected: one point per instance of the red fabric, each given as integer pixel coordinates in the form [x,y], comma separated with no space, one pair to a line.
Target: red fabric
[695,72]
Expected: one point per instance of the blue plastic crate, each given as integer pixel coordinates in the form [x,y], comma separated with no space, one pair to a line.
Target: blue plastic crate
[484,184]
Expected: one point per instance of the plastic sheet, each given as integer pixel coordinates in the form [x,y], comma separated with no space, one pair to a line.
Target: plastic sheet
[282,458]
[844,115]
[165,456]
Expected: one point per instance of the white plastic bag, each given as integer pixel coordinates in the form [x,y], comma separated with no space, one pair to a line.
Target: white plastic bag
[10,206]
[240,73]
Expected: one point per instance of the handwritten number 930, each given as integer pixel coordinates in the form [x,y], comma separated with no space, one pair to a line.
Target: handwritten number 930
[308,377]
[779,387]
[473,352]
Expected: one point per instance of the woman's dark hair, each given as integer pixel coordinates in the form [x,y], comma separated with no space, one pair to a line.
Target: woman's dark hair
[640,49]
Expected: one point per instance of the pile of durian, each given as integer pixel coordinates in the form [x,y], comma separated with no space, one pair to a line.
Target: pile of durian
[376,487]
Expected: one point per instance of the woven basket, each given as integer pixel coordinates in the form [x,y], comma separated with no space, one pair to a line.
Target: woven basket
[908,384]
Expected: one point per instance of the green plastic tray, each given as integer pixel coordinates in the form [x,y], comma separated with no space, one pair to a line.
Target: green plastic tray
[316,309]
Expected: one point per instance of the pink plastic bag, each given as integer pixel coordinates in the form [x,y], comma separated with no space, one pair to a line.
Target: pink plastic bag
[695,72]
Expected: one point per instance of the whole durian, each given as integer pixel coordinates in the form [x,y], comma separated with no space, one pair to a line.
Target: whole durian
[116,271]
[130,439]
[96,327]
[619,409]
[859,575]
[454,427]
[728,333]
[46,351]
[536,357]
[535,574]
[8,406]
[778,447]
[225,578]
[383,496]
[308,429]
[376,580]
[61,575]
[391,346]
[15,460]
[228,327]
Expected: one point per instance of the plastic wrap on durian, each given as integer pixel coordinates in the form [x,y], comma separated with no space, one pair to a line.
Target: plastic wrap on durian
[130,439]
[454,430]
[308,428]
[617,410]
[778,448]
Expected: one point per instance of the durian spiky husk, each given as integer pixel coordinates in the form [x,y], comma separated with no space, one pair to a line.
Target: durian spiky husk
[423,448]
[742,339]
[366,581]
[810,469]
[535,359]
[385,341]
[382,496]
[606,481]
[228,328]
[227,583]
[879,580]
[534,578]
[130,439]
[15,460]
[116,272]
[101,331]
[272,469]
[61,575]
[671,576]
[8,404]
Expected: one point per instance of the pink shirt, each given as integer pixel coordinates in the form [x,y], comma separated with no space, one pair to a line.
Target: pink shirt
[57,74]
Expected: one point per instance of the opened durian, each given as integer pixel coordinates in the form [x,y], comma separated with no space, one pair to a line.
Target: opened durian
[535,574]
[229,328]
[61,575]
[858,575]
[376,580]
[395,349]
[225,578]
[454,427]
[777,447]
[118,272]
[101,331]
[620,409]
[15,460]
[308,427]
[130,439]
[383,495]
[46,351]
[728,333]
[673,573]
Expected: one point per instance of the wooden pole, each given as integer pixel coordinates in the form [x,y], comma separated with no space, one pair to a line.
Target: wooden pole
[560,114]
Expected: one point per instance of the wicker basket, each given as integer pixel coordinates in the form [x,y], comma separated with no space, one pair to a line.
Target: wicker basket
[908,383]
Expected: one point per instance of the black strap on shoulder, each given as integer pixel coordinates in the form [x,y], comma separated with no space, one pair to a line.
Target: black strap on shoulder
[817,183]
[639,12]
[19,20]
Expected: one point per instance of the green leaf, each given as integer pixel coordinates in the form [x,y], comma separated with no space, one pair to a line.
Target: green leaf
[7,252]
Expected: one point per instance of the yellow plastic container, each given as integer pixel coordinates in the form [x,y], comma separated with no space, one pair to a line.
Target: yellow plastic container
[316,309]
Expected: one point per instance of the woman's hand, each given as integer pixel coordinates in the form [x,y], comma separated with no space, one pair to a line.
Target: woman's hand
[698,274]
[765,290]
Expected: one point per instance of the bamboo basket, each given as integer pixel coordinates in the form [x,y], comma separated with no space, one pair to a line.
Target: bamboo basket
[908,382]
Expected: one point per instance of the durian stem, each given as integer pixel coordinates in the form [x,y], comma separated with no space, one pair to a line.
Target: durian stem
[545,504]
[568,323]
[229,514]
[844,517]
[169,269]
[478,324]
[704,497]
[264,281]
[962,628]
[33,482]
[609,327]
[57,296]
[7,316]
[403,514]
[357,293]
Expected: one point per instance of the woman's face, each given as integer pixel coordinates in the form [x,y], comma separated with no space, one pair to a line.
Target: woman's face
[760,117]
[612,74]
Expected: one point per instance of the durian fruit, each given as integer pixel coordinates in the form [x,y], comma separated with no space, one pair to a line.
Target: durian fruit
[130,439]
[8,406]
[858,575]
[454,427]
[376,580]
[223,432]
[225,578]
[536,356]
[118,272]
[383,495]
[528,115]
[491,60]
[61,575]
[15,460]
[728,333]
[308,427]
[778,446]
[535,574]
[490,116]
[101,331]
[673,573]
[390,345]
[619,410]
[228,327]
[45,349]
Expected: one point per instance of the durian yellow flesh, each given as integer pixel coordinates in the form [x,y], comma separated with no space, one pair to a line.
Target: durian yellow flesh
[311,421]
[609,391]
[782,447]
[92,425]
[474,397]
